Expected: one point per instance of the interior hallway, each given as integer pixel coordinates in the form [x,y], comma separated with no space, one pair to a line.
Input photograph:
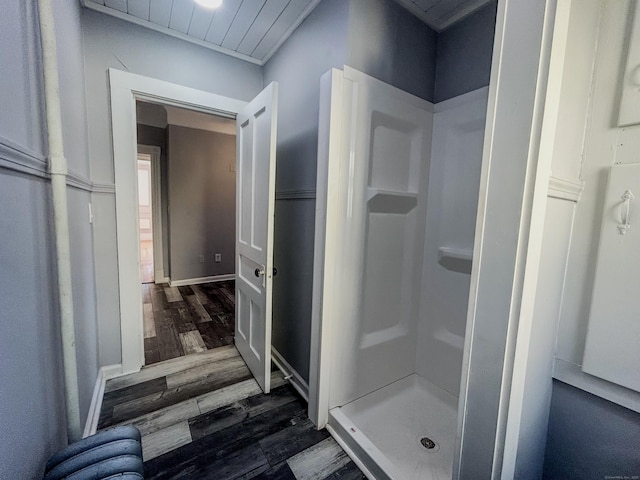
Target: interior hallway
[184,320]
[204,416]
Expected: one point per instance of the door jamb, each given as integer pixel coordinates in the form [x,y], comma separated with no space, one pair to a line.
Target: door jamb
[156,211]
[125,89]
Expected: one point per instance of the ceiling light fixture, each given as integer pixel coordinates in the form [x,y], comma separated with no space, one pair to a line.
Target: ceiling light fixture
[209,3]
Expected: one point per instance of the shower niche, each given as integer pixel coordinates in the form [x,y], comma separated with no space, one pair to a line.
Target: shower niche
[397,191]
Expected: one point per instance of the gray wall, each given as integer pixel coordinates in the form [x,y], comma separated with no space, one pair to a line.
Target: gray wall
[151,114]
[383,40]
[392,45]
[318,44]
[464,54]
[113,43]
[590,438]
[32,414]
[74,123]
[322,41]
[32,418]
[202,202]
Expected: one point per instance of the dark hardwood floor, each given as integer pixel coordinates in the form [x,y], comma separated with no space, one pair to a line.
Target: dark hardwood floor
[180,321]
[203,416]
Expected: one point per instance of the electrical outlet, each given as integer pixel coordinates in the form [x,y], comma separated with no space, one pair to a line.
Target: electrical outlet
[201,258]
[218,257]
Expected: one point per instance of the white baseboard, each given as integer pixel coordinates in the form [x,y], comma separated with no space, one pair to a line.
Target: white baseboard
[104,374]
[291,374]
[158,279]
[196,281]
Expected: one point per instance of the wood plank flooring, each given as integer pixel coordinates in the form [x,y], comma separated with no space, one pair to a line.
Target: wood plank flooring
[203,416]
[181,321]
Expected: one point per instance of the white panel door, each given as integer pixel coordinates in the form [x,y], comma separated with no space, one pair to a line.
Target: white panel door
[256,166]
[612,350]
[382,182]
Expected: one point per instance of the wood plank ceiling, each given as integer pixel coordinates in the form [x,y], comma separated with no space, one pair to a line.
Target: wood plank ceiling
[248,29]
[253,30]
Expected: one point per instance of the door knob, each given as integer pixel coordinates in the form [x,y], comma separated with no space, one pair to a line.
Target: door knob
[260,271]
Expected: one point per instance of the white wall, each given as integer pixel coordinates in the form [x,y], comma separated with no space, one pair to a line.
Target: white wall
[582,140]
[113,43]
[604,145]
[590,144]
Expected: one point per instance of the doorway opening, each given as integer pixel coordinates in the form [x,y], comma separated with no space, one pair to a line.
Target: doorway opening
[145,222]
[186,219]
[255,201]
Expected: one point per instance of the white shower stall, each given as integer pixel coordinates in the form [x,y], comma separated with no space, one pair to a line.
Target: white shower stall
[397,192]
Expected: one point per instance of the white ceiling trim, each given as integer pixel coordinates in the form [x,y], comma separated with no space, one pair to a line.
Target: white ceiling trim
[466,8]
[203,43]
[305,13]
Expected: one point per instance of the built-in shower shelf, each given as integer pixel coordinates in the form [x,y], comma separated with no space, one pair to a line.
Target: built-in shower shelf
[385,201]
[456,260]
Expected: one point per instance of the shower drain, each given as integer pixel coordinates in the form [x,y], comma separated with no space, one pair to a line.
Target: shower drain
[427,443]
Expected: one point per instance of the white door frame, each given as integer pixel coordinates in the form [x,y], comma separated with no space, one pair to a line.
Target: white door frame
[156,211]
[510,204]
[126,88]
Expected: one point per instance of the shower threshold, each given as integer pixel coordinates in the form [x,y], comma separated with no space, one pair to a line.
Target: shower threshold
[403,431]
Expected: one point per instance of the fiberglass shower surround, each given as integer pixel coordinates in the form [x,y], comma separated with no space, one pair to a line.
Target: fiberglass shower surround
[401,197]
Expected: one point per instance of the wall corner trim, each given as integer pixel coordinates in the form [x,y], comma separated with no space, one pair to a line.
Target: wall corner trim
[291,374]
[565,189]
[104,374]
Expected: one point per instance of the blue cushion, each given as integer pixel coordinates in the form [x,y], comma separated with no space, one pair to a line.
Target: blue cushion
[100,438]
[94,455]
[124,464]
[125,476]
